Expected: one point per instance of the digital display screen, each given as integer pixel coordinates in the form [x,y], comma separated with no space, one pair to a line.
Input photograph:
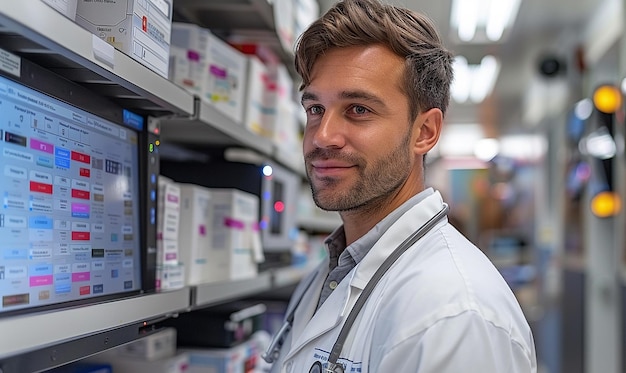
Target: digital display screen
[69,214]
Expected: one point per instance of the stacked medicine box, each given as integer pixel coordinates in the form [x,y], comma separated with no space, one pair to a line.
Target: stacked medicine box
[139,28]
[208,67]
[218,237]
[170,270]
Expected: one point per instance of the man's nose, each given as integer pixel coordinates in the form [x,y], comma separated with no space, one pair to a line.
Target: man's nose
[331,131]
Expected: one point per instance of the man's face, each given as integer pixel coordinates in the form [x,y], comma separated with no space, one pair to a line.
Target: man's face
[358,140]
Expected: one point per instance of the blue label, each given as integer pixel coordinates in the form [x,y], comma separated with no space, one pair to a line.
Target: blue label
[44,162]
[62,288]
[40,222]
[40,269]
[133,120]
[15,254]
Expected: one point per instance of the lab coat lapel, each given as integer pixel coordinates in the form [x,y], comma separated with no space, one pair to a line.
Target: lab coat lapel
[308,304]
[394,236]
[308,324]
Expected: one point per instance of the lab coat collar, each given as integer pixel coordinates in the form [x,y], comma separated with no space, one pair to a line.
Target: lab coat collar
[309,324]
[418,215]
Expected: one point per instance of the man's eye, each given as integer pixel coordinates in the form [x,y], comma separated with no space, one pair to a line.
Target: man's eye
[359,110]
[315,110]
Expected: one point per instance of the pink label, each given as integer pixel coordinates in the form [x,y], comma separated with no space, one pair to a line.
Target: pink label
[232,223]
[193,55]
[41,146]
[202,230]
[41,280]
[170,256]
[218,71]
[81,276]
[172,198]
[80,208]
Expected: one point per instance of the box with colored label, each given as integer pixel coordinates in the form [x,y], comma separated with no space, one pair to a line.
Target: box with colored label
[194,236]
[225,78]
[188,56]
[168,216]
[260,108]
[235,238]
[243,358]
[170,276]
[139,28]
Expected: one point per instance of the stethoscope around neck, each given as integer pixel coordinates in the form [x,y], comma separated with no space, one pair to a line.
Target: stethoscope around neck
[273,351]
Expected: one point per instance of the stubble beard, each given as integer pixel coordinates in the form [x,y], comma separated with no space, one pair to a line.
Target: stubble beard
[375,184]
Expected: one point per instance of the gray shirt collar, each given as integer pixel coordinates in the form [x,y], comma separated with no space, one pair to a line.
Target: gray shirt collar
[336,242]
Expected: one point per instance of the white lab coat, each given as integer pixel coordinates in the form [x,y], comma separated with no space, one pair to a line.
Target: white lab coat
[441,308]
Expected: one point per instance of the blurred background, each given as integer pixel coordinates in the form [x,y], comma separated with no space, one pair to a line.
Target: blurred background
[532,162]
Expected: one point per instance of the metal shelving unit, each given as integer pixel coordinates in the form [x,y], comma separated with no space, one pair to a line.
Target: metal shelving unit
[209,126]
[40,335]
[252,19]
[45,340]
[206,295]
[35,31]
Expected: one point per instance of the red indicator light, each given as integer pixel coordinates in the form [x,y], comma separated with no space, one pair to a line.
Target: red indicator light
[279,206]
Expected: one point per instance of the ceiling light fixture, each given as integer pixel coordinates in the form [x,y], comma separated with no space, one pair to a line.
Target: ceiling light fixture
[473,24]
[474,82]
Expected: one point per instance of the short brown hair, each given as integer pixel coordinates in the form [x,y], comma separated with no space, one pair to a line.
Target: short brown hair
[411,35]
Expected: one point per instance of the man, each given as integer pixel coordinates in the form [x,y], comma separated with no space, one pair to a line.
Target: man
[375,87]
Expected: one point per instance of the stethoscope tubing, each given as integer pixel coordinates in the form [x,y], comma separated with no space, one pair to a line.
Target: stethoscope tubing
[371,284]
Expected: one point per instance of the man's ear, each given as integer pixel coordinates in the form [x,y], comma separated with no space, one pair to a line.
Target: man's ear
[429,124]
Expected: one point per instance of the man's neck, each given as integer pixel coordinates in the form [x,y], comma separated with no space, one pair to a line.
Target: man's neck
[356,223]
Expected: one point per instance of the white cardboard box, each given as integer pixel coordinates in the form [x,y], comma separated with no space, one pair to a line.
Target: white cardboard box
[235,238]
[286,126]
[225,79]
[139,28]
[188,56]
[194,236]
[210,68]
[261,94]
[237,359]
[168,217]
[170,276]
[232,360]
[65,7]
[243,358]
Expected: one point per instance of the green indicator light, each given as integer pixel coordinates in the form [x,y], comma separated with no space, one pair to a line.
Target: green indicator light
[151,148]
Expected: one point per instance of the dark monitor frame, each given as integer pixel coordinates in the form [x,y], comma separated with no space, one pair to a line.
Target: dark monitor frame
[48,83]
